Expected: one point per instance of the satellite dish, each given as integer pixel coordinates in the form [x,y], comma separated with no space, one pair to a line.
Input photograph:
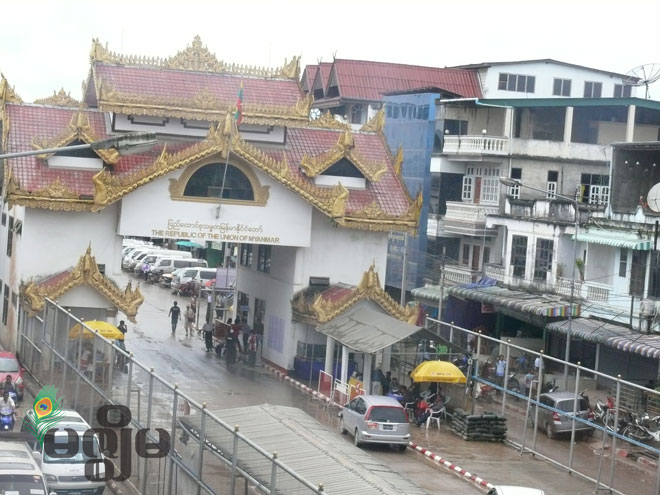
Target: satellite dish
[644,75]
[653,198]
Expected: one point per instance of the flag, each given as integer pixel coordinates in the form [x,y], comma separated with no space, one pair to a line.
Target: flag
[238,115]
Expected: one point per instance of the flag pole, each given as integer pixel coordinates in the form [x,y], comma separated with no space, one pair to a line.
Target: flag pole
[238,116]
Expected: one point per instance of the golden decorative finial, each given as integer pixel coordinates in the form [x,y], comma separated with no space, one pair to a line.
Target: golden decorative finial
[398,161]
[59,99]
[7,92]
[291,70]
[376,123]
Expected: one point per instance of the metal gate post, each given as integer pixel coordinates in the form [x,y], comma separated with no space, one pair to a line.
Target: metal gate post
[202,437]
[476,369]
[538,402]
[175,406]
[451,335]
[149,400]
[79,363]
[91,388]
[575,402]
[43,344]
[616,429]
[66,358]
[273,474]
[529,405]
[234,462]
[506,374]
[129,383]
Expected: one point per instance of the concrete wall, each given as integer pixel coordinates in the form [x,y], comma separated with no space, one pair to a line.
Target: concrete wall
[545,74]
[479,118]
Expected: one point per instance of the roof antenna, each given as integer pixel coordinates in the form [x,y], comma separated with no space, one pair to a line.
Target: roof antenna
[334,55]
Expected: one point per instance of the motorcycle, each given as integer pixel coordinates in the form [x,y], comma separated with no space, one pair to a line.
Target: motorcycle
[153,277]
[6,419]
[638,430]
[461,362]
[484,392]
[550,386]
[513,384]
[602,409]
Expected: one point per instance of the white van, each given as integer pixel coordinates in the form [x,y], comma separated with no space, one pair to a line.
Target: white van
[19,471]
[67,475]
[128,258]
[167,264]
[197,275]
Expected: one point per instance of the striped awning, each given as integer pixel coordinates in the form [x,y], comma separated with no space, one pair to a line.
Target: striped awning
[524,302]
[615,239]
[611,335]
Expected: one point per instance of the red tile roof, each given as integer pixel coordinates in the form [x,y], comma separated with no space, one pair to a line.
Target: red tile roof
[162,83]
[308,77]
[324,73]
[28,122]
[366,80]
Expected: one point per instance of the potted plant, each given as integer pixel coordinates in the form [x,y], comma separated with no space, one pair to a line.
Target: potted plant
[580,266]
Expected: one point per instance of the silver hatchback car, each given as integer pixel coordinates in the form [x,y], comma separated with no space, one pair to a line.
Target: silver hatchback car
[554,423]
[375,419]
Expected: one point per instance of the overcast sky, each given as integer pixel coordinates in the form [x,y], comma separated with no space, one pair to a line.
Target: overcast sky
[45,44]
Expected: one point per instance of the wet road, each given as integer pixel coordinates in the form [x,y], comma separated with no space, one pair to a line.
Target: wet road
[206,378]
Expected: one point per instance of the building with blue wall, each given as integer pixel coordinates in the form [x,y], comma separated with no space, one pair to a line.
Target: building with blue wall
[410,123]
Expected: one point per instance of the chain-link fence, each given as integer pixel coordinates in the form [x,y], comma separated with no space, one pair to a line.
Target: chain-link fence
[91,371]
[545,406]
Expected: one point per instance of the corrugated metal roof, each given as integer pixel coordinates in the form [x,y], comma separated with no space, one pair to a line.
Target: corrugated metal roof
[615,239]
[367,328]
[616,336]
[367,80]
[524,302]
[428,293]
[307,447]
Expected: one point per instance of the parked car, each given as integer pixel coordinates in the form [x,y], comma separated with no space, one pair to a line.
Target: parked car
[554,423]
[375,419]
[67,474]
[19,471]
[514,490]
[9,365]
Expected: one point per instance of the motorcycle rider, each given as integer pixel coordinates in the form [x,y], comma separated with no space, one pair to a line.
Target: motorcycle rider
[7,407]
[8,385]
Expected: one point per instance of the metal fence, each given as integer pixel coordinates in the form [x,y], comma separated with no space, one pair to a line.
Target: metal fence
[91,371]
[625,426]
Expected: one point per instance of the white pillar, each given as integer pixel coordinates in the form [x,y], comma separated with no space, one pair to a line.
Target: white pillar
[387,359]
[344,364]
[329,355]
[568,124]
[597,357]
[630,124]
[366,372]
[508,122]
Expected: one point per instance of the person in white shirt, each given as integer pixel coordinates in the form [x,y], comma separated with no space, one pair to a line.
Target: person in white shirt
[7,405]
[538,364]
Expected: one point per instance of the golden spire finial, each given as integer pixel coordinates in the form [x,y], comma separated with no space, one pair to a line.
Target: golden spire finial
[376,123]
[398,161]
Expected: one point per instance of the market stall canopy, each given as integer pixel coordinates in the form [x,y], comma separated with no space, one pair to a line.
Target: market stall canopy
[189,244]
[367,328]
[437,371]
[105,329]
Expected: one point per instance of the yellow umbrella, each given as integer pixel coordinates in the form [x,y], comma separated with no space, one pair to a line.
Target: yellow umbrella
[437,371]
[107,330]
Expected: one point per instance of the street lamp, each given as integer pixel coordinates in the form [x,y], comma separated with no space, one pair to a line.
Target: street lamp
[125,144]
[510,182]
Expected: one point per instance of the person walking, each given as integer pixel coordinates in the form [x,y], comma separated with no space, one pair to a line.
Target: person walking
[252,344]
[190,319]
[175,315]
[208,329]
[500,368]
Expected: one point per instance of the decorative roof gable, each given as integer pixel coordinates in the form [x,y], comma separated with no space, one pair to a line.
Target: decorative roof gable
[339,298]
[86,272]
[59,99]
[79,129]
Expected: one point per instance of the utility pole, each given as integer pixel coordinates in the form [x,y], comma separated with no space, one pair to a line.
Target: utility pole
[442,284]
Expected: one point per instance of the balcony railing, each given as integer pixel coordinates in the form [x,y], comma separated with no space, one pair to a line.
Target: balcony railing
[471,145]
[457,274]
[494,271]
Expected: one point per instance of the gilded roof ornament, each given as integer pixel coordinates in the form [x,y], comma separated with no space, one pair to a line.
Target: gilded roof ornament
[7,93]
[369,289]
[85,272]
[345,148]
[59,99]
[338,208]
[376,123]
[398,161]
[79,129]
[195,57]
[328,121]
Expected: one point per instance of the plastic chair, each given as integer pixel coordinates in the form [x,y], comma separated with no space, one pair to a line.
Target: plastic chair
[410,410]
[436,415]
